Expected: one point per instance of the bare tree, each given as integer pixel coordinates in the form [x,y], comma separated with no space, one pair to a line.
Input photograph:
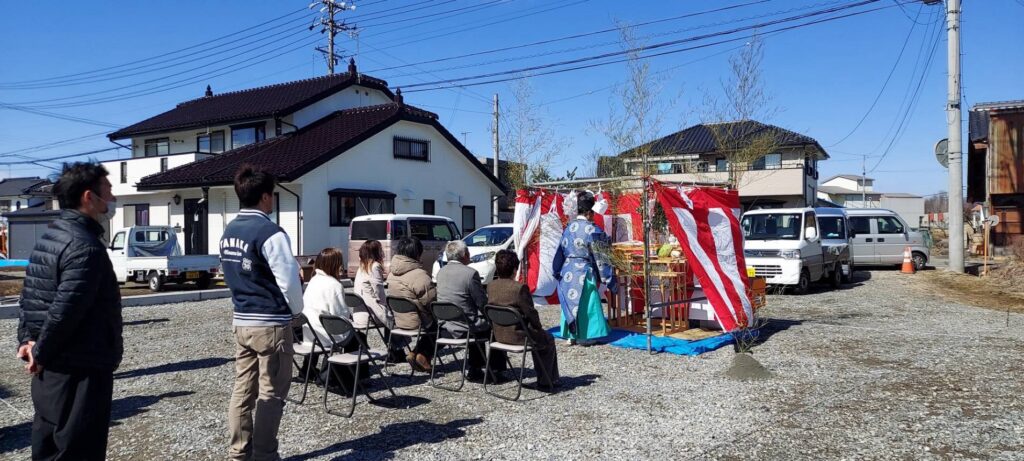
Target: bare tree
[528,138]
[637,108]
[745,99]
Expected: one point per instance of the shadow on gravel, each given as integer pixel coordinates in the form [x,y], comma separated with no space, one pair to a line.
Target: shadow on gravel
[391,439]
[772,327]
[144,322]
[4,392]
[20,436]
[186,365]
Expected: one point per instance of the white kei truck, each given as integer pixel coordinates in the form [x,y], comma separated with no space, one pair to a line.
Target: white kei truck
[152,255]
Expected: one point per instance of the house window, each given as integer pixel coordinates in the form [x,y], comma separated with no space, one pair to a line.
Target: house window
[721,164]
[124,172]
[136,215]
[163,165]
[158,146]
[768,162]
[210,143]
[702,167]
[5,206]
[428,206]
[347,204]
[468,219]
[412,149]
[247,134]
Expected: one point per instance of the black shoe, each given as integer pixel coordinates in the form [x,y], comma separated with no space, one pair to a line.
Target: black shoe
[475,375]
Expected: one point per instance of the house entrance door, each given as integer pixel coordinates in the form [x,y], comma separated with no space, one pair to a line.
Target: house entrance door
[196,227]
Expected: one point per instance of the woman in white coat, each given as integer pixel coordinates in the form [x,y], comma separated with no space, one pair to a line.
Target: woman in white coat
[325,295]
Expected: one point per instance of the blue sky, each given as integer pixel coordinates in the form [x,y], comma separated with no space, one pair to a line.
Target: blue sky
[822,78]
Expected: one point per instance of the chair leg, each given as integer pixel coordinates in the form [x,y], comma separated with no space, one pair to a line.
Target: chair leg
[355,392]
[305,381]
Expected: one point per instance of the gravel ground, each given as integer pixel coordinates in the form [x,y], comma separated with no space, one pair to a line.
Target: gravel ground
[881,369]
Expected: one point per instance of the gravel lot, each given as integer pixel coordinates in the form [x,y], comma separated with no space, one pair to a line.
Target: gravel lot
[881,369]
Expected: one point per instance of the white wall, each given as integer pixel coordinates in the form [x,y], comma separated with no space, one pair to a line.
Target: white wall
[371,165]
[850,184]
[139,168]
[355,96]
[185,140]
[911,209]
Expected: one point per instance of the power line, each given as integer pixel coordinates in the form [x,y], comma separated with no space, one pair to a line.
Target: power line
[76,74]
[657,46]
[62,157]
[51,145]
[913,101]
[885,84]
[460,11]
[569,37]
[56,115]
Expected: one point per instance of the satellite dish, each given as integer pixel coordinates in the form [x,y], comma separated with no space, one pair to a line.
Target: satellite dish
[942,152]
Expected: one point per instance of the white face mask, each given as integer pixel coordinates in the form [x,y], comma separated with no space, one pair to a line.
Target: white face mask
[111,208]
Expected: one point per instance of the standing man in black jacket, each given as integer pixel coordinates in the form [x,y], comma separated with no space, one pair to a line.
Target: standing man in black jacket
[69,332]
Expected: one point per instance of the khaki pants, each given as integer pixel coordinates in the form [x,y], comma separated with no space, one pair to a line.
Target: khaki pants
[263,369]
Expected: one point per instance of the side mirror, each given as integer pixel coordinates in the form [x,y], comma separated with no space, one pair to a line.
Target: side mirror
[811,233]
[852,233]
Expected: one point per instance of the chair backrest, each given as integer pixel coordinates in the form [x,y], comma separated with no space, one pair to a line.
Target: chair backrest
[401,305]
[347,283]
[448,312]
[308,333]
[504,316]
[338,327]
[299,321]
[355,302]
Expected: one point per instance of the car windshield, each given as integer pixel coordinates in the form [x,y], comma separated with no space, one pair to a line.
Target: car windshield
[774,226]
[488,236]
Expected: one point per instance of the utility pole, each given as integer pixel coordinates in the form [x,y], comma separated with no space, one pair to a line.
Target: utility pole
[494,134]
[956,208]
[328,25]
[863,181]
[464,137]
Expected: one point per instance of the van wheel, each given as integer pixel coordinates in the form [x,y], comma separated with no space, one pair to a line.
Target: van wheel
[156,282]
[836,277]
[804,285]
[919,260]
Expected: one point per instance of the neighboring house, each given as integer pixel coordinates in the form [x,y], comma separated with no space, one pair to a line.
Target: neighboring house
[341,146]
[16,193]
[850,191]
[995,165]
[855,191]
[786,177]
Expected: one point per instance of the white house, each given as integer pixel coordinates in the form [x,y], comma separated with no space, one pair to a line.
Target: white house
[341,146]
[854,191]
[786,177]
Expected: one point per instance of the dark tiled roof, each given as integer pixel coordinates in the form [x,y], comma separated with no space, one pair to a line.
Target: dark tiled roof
[292,155]
[977,125]
[19,186]
[279,99]
[706,138]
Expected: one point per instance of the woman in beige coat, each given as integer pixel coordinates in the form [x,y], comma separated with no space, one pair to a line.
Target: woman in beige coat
[407,279]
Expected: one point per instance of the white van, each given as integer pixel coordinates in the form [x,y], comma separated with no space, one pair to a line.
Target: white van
[785,246]
[881,236]
[434,233]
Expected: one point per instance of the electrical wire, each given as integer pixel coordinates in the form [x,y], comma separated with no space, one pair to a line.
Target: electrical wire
[657,46]
[888,78]
[56,115]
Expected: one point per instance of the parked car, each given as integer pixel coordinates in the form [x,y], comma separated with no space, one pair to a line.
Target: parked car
[433,231]
[882,236]
[151,254]
[786,246]
[483,244]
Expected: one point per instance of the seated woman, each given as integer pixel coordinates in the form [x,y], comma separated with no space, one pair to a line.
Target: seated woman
[369,285]
[505,291]
[408,280]
[325,295]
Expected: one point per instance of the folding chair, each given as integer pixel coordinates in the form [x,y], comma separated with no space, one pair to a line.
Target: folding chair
[509,317]
[404,306]
[308,347]
[444,313]
[356,304]
[341,327]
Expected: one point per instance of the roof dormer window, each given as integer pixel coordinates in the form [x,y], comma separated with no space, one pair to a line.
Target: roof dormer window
[242,135]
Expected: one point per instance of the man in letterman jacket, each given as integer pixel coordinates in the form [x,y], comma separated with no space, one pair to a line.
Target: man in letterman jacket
[263,276]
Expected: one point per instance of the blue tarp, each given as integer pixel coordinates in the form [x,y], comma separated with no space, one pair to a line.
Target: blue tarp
[629,340]
[13,263]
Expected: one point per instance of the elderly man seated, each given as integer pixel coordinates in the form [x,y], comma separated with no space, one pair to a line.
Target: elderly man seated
[459,284]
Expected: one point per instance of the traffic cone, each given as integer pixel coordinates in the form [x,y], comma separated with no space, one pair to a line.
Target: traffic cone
[908,264]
